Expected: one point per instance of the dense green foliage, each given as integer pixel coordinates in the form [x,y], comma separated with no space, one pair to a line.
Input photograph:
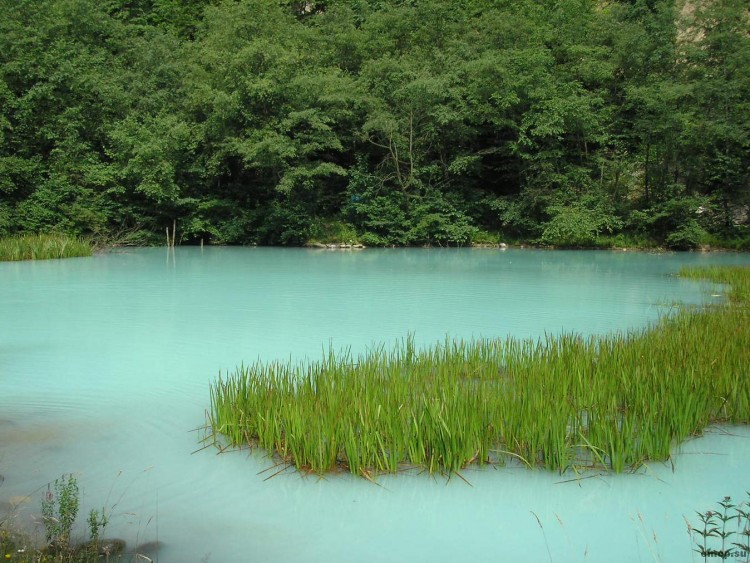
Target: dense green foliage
[407,121]
[42,247]
[559,402]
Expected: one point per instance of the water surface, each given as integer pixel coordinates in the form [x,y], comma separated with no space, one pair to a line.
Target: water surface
[105,364]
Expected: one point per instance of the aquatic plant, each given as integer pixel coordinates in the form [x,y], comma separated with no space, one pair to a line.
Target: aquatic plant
[42,247]
[714,537]
[558,402]
[97,521]
[59,511]
[735,277]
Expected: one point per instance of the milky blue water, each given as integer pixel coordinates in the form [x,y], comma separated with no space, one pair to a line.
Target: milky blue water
[105,364]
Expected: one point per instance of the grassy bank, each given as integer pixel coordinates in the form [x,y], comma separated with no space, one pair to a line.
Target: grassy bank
[558,402]
[337,231]
[59,510]
[42,247]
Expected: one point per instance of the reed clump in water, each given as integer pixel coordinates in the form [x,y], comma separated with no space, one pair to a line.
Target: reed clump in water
[42,247]
[557,402]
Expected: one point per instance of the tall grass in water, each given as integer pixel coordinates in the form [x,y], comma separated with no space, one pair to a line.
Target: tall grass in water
[42,247]
[557,402]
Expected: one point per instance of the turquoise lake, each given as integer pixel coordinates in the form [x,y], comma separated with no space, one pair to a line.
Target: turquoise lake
[105,365]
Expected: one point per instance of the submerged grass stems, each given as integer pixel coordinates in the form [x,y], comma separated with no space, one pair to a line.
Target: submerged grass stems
[557,402]
[42,247]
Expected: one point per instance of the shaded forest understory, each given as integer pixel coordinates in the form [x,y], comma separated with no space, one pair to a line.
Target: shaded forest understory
[405,122]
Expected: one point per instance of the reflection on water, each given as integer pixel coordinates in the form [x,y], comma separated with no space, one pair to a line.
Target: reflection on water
[104,371]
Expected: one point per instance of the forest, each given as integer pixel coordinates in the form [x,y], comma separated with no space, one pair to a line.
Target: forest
[574,123]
